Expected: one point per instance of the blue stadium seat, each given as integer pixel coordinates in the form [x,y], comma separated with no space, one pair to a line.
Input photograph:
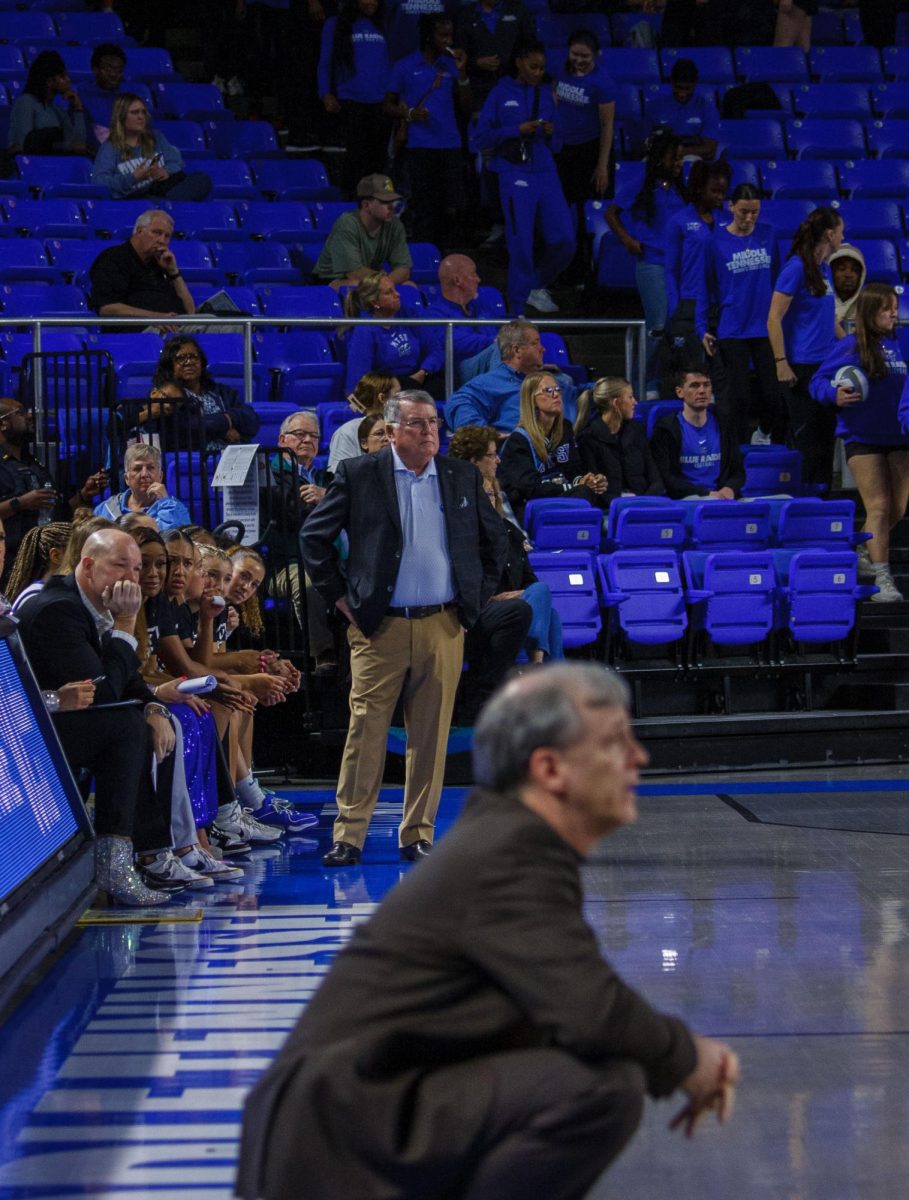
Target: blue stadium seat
[871,218]
[814,524]
[150,64]
[896,62]
[827,28]
[252,263]
[71,259]
[24,259]
[316,301]
[567,23]
[817,593]
[563,524]
[230,178]
[50,175]
[140,349]
[426,259]
[326,212]
[867,179]
[819,138]
[571,579]
[42,218]
[293,179]
[628,179]
[43,299]
[189,101]
[804,179]
[771,64]
[652,521]
[744,171]
[12,64]
[729,525]
[786,215]
[242,139]
[845,64]
[305,370]
[889,139]
[245,298]
[90,28]
[833,100]
[112,219]
[19,27]
[288,222]
[270,417]
[493,300]
[902,30]
[633,66]
[196,263]
[732,595]
[772,472]
[332,415]
[714,63]
[881,258]
[187,136]
[656,409]
[753,137]
[643,591]
[628,102]
[891,100]
[207,220]
[595,224]
[852,27]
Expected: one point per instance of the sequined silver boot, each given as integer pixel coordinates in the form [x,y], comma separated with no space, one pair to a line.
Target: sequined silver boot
[116,875]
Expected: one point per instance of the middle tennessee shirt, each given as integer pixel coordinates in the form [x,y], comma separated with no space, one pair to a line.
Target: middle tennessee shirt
[740,276]
[700,458]
[579,98]
[809,325]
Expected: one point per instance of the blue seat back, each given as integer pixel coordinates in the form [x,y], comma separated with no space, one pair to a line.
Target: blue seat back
[869,178]
[564,526]
[771,64]
[646,521]
[644,590]
[571,579]
[805,178]
[817,524]
[729,525]
[818,138]
[818,593]
[741,592]
[773,471]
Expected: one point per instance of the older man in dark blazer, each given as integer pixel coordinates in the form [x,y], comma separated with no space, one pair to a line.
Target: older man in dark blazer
[426,553]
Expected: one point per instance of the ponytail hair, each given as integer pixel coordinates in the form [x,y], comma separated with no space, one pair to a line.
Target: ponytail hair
[32,561]
[808,237]
[872,299]
[602,395]
[745,191]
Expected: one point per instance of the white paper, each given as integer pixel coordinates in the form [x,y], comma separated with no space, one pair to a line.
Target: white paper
[236,473]
[233,465]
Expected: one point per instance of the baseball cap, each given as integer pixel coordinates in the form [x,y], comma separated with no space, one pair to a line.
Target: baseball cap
[378,187]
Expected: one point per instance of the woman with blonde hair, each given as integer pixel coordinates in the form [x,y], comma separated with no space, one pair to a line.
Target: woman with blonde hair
[412,353]
[540,457]
[368,397]
[137,160]
[613,444]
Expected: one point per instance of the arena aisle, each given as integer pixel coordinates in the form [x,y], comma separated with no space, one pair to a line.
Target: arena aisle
[771,912]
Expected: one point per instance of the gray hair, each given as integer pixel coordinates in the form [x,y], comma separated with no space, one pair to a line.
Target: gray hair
[540,709]
[149,215]
[392,409]
[301,412]
[141,450]
[512,336]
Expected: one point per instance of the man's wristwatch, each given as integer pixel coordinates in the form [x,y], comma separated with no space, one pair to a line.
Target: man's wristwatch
[176,275]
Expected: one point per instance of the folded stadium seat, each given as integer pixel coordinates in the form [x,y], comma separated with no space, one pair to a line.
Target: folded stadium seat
[196,263]
[150,64]
[771,64]
[24,260]
[558,523]
[869,178]
[595,223]
[753,137]
[635,522]
[643,591]
[242,139]
[714,63]
[657,409]
[571,579]
[628,102]
[303,366]
[827,28]
[817,593]
[326,212]
[251,263]
[493,300]
[896,61]
[891,100]
[293,179]
[814,524]
[245,298]
[633,66]
[786,215]
[744,171]
[207,220]
[187,136]
[332,415]
[71,259]
[729,525]
[58,175]
[560,26]
[628,179]
[831,101]
[230,178]
[852,28]
[270,417]
[43,300]
[91,28]
[888,139]
[871,218]
[112,220]
[623,22]
[140,349]
[816,137]
[184,477]
[19,27]
[732,596]
[189,101]
[881,258]
[773,472]
[425,265]
[42,219]
[807,178]
[845,64]
[12,64]
[315,300]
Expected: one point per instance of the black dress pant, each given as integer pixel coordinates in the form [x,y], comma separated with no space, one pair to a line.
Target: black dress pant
[738,356]
[115,745]
[490,649]
[812,427]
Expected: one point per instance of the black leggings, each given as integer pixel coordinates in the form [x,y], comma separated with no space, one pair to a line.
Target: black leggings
[738,355]
[812,426]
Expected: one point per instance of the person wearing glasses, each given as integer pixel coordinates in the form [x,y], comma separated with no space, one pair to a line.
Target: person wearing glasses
[228,421]
[540,458]
[362,242]
[137,160]
[426,552]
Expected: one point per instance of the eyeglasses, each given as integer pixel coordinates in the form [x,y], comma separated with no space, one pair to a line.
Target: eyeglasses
[302,434]
[553,390]
[187,358]
[422,423]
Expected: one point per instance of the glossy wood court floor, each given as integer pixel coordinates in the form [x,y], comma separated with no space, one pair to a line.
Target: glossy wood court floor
[770,910]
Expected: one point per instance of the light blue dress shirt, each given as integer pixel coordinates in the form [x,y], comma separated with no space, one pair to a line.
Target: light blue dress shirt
[425,574]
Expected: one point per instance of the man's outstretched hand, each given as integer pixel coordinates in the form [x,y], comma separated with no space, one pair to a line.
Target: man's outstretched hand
[710,1086]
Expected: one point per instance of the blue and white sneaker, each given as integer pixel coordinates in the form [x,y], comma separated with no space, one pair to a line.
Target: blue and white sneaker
[281,814]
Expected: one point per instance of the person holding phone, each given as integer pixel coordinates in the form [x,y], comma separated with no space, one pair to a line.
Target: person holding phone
[137,160]
[868,400]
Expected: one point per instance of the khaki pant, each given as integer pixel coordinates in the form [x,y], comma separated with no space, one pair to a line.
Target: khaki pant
[422,657]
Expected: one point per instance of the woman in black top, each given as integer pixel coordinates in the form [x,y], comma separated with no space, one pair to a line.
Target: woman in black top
[611,443]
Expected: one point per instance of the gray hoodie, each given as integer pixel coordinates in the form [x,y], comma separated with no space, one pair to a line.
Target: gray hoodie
[845,309]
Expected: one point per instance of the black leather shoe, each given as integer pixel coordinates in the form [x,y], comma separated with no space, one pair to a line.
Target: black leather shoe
[416,850]
[342,854]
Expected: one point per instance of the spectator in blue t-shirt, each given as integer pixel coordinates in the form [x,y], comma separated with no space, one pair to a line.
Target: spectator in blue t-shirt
[353,80]
[586,99]
[695,450]
[802,328]
[410,353]
[426,91]
[475,348]
[691,115]
[642,231]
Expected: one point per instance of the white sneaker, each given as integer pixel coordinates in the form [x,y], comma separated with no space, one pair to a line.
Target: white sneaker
[889,593]
[204,863]
[541,300]
[167,867]
[234,86]
[237,822]
[496,234]
[865,567]
[652,394]
[759,438]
